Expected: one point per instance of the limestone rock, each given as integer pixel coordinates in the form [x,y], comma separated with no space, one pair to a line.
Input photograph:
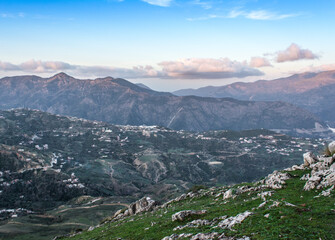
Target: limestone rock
[143,205]
[309,158]
[205,236]
[232,221]
[326,193]
[177,236]
[276,180]
[263,195]
[228,194]
[322,174]
[194,224]
[331,147]
[180,216]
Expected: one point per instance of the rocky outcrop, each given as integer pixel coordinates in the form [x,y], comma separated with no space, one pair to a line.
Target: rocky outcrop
[309,159]
[182,215]
[331,147]
[145,204]
[276,180]
[194,224]
[232,221]
[322,174]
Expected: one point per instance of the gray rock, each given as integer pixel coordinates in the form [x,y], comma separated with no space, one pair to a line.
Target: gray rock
[228,194]
[145,204]
[232,221]
[331,147]
[309,158]
[276,180]
[177,236]
[194,224]
[205,236]
[180,216]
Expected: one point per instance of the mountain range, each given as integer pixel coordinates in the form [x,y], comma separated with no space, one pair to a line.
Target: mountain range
[118,101]
[311,91]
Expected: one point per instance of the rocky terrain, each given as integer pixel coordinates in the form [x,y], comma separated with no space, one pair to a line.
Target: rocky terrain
[296,203]
[311,91]
[52,167]
[118,101]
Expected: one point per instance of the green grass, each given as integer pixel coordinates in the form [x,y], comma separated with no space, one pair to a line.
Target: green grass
[56,222]
[310,218]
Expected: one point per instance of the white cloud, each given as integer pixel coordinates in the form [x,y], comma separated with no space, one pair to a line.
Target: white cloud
[258,62]
[12,15]
[266,15]
[161,3]
[203,4]
[207,68]
[294,53]
[253,15]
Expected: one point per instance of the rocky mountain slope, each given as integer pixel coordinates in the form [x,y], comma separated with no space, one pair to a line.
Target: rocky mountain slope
[52,167]
[296,203]
[311,91]
[118,101]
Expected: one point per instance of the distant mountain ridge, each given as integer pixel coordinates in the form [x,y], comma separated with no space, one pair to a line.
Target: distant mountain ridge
[118,101]
[311,91]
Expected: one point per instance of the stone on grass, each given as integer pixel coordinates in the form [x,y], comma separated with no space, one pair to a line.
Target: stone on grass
[180,216]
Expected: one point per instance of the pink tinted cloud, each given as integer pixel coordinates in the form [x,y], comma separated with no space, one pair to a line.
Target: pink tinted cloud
[320,68]
[192,68]
[295,53]
[207,68]
[258,62]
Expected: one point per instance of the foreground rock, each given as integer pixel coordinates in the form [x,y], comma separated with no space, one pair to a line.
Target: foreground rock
[182,215]
[145,204]
[232,221]
[322,174]
[309,158]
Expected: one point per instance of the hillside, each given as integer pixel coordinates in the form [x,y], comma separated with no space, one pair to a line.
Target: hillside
[311,91]
[118,101]
[52,167]
[297,203]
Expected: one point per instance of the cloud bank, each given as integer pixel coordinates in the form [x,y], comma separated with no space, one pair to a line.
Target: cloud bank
[208,68]
[192,68]
[295,53]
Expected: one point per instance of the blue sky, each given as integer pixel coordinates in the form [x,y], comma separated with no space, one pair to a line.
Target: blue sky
[166,44]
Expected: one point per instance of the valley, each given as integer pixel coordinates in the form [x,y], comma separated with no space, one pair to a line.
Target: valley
[54,167]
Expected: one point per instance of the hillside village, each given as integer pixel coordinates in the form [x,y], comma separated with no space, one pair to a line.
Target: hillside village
[52,159]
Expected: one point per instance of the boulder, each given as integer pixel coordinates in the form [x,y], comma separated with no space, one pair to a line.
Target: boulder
[331,147]
[309,158]
[145,204]
[228,194]
[205,236]
[232,221]
[180,216]
[276,180]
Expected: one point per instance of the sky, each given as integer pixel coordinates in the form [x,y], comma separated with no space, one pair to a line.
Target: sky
[167,44]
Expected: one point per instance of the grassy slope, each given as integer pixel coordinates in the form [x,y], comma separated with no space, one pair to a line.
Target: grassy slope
[63,220]
[311,218]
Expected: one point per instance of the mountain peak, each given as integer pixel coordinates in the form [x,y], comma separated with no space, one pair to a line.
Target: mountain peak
[61,75]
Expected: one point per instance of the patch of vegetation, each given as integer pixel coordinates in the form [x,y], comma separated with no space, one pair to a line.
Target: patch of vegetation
[289,213]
